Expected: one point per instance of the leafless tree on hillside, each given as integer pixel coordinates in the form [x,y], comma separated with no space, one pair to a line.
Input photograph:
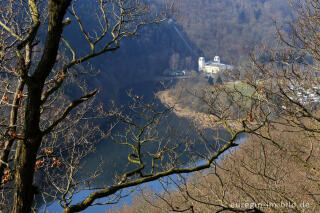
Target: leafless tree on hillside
[277,168]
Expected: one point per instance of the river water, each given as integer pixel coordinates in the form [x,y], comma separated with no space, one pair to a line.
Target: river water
[114,157]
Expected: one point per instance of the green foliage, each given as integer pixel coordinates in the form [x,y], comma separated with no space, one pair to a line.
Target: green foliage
[210,81]
[219,80]
[242,87]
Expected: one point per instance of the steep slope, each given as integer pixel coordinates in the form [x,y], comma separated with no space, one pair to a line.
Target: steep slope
[229,27]
[138,59]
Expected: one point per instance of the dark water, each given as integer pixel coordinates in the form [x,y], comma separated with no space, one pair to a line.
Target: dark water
[114,157]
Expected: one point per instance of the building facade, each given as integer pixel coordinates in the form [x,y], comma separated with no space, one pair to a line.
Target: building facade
[212,67]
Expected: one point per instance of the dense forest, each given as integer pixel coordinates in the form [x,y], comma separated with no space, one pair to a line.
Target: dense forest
[69,119]
[230,28]
[213,27]
[141,59]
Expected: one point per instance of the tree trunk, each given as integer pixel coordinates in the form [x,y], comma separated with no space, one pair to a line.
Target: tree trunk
[27,149]
[24,190]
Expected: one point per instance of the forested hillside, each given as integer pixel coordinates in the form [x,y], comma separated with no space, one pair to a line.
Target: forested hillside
[211,27]
[142,59]
[138,59]
[276,167]
[59,59]
[228,27]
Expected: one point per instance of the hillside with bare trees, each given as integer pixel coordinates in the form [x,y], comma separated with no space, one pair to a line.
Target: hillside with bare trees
[230,28]
[276,168]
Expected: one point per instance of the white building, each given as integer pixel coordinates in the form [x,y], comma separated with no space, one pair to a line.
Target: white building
[212,67]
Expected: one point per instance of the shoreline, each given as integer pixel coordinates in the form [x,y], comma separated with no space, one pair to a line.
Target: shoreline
[202,120]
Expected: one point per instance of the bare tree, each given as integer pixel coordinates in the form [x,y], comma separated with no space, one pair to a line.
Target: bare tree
[277,168]
[37,138]
[32,74]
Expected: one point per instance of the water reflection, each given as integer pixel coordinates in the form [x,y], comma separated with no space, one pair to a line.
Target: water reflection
[114,157]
